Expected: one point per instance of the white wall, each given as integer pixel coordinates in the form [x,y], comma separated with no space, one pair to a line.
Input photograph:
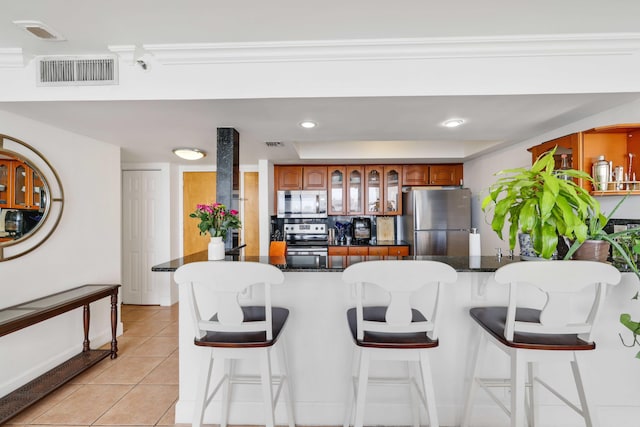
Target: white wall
[479,172]
[84,249]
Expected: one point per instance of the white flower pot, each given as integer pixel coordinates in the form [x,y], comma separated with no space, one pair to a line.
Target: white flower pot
[216,249]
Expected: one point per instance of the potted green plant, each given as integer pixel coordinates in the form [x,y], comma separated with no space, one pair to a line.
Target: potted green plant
[630,245]
[626,247]
[541,202]
[624,243]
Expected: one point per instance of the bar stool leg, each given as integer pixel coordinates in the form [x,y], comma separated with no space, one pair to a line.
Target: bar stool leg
[588,412]
[267,390]
[363,379]
[534,408]
[415,402]
[478,359]
[351,392]
[288,387]
[203,387]
[226,392]
[429,393]
[518,378]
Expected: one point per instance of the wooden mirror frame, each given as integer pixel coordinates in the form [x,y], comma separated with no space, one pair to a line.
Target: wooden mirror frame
[54,207]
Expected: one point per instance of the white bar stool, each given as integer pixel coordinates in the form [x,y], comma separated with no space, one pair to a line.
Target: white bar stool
[396,331]
[553,333]
[237,332]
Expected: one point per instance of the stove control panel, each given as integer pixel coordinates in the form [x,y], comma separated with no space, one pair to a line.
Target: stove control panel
[305,228]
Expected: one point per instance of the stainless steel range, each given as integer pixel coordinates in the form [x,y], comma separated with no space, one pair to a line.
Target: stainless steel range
[306,239]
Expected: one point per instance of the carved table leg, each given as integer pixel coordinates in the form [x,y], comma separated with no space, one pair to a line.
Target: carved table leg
[114,323]
[87,317]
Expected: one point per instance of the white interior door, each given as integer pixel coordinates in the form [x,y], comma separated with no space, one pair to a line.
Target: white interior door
[144,226]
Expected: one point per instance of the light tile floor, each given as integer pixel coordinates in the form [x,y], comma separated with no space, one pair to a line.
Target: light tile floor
[139,388]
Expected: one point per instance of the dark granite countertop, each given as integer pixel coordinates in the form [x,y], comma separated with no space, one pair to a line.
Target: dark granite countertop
[317,263]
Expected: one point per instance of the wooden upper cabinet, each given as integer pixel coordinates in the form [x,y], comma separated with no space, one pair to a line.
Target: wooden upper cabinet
[583,148]
[418,175]
[392,180]
[383,188]
[24,187]
[445,174]
[365,189]
[415,175]
[355,190]
[337,190]
[373,190]
[314,177]
[301,177]
[567,144]
[6,183]
[289,177]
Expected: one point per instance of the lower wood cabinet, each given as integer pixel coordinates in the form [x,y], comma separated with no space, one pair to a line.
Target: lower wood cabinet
[359,250]
[379,251]
[369,250]
[398,250]
[338,250]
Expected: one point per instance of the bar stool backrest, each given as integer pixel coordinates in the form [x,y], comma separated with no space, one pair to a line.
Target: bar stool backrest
[399,278]
[559,281]
[228,279]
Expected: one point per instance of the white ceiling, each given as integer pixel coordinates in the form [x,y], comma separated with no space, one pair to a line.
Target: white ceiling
[148,130]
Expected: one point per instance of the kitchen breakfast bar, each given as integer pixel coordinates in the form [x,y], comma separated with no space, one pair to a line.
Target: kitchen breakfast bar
[319,350]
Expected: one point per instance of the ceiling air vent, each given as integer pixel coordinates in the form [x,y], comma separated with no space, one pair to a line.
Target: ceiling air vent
[274,144]
[77,71]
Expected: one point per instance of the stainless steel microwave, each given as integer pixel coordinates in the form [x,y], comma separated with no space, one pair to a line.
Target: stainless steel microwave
[302,204]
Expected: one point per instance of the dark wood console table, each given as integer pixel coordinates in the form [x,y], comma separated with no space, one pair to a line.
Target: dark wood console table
[29,313]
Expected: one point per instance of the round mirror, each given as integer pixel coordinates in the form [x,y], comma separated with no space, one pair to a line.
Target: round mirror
[31,198]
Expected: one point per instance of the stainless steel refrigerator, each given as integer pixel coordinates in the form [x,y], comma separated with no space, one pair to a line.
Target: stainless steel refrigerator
[436,221]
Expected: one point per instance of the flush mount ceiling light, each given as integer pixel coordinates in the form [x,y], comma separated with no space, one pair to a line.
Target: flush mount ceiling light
[452,123]
[189,153]
[40,30]
[308,124]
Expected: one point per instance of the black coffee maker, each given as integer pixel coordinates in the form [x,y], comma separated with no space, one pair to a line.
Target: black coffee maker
[20,222]
[361,230]
[14,222]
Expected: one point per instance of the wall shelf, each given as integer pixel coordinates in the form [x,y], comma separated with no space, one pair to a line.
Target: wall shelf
[615,193]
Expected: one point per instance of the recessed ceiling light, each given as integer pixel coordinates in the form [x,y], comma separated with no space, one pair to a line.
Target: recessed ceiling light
[189,153]
[308,124]
[453,123]
[40,30]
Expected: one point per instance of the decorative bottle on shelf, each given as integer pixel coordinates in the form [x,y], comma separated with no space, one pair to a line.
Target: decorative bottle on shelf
[601,172]
[564,165]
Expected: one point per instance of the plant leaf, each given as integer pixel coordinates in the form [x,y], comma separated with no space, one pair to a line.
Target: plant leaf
[549,239]
[527,215]
[625,319]
[546,204]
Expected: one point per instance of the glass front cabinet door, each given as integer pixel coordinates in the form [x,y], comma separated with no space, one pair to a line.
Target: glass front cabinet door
[392,190]
[5,183]
[37,191]
[355,188]
[20,182]
[26,188]
[337,199]
[373,200]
